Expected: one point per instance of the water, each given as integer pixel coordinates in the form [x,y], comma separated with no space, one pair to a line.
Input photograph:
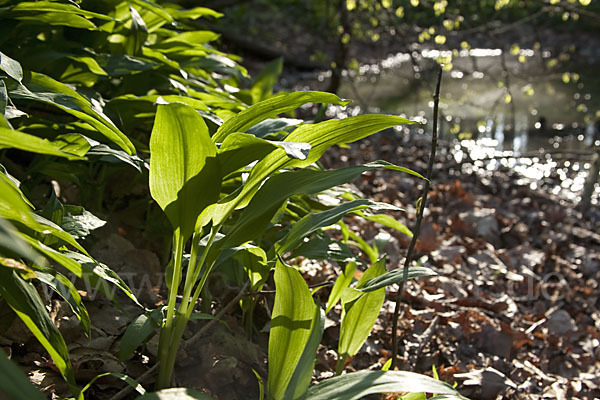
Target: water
[532,111]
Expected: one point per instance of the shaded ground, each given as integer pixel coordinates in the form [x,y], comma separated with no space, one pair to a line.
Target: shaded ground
[514,312]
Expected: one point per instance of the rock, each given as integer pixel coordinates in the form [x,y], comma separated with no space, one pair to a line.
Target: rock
[482,223]
[560,323]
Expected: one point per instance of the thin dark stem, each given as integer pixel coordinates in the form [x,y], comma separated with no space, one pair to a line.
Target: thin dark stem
[417,229]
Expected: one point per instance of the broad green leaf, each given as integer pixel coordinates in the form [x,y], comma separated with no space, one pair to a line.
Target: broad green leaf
[320,137]
[291,326]
[262,88]
[154,8]
[388,221]
[139,33]
[73,143]
[14,383]
[175,394]
[65,288]
[11,67]
[11,242]
[240,149]
[325,134]
[23,141]
[98,276]
[191,38]
[115,156]
[55,7]
[12,205]
[22,297]
[40,87]
[322,247]
[359,384]
[52,254]
[48,228]
[127,379]
[278,188]
[184,171]
[314,221]
[196,12]
[273,125]
[59,18]
[91,64]
[138,331]
[271,108]
[342,282]
[395,276]
[359,315]
[304,370]
[79,222]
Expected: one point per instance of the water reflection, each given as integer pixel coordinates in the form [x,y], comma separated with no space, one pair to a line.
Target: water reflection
[521,110]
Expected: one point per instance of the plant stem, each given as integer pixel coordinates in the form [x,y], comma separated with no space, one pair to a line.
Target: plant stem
[413,242]
[175,333]
[165,340]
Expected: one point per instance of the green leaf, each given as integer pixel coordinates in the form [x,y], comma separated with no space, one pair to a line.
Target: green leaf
[138,331]
[22,297]
[79,222]
[387,221]
[271,195]
[273,125]
[322,247]
[127,379]
[99,276]
[342,282]
[270,108]
[59,18]
[325,134]
[175,394]
[184,171]
[23,141]
[73,143]
[65,288]
[39,87]
[190,38]
[314,221]
[11,67]
[196,12]
[11,242]
[292,322]
[14,383]
[154,8]
[320,137]
[357,385]
[139,32]
[240,149]
[52,254]
[12,205]
[359,314]
[51,6]
[303,373]
[395,276]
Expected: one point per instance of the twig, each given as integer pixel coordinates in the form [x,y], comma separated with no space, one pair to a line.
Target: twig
[128,389]
[413,242]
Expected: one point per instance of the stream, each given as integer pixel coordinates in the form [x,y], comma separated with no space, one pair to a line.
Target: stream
[532,111]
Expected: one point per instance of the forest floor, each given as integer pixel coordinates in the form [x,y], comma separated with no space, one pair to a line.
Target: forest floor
[514,312]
